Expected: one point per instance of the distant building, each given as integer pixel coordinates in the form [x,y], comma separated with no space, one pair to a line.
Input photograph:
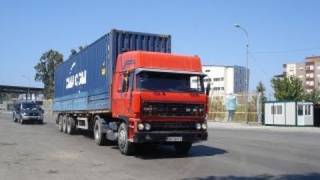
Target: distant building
[225,79]
[308,72]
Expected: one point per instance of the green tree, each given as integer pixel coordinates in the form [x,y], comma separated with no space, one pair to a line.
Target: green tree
[45,70]
[288,88]
[313,96]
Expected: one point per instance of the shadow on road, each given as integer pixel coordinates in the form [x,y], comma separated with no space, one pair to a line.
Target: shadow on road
[165,152]
[151,151]
[308,176]
[33,123]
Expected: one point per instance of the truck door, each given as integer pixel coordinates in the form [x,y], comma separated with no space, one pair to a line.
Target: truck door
[126,93]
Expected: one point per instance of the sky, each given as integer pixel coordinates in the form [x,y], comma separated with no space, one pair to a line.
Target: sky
[279,31]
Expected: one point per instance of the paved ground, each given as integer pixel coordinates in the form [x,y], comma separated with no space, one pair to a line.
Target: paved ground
[32,152]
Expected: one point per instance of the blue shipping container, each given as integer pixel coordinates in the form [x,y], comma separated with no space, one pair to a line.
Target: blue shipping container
[83,82]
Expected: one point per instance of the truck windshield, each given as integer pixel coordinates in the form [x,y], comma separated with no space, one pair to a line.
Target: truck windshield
[169,82]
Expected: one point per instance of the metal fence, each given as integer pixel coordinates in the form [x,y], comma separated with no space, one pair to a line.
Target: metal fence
[245,112]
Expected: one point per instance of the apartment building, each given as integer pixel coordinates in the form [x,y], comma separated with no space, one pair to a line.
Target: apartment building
[225,79]
[307,71]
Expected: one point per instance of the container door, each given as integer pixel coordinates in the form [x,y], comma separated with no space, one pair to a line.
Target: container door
[308,115]
[279,116]
[300,114]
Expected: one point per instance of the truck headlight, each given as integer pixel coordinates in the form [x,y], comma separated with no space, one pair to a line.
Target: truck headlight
[198,126]
[24,114]
[140,126]
[147,126]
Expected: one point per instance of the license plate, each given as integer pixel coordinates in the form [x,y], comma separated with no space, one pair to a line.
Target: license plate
[174,139]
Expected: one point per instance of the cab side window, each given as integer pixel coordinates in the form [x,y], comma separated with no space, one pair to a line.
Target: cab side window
[127,82]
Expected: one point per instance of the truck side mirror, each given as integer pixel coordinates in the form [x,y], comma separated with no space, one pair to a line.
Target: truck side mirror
[208,88]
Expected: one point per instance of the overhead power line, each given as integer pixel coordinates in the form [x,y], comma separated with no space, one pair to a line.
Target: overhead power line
[285,51]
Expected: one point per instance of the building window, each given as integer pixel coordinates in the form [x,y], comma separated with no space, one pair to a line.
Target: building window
[300,110]
[307,110]
[276,109]
[311,83]
[279,109]
[311,67]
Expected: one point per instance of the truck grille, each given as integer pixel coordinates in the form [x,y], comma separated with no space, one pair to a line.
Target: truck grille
[172,109]
[172,126]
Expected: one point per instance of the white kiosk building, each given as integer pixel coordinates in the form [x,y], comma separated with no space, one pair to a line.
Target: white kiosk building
[289,113]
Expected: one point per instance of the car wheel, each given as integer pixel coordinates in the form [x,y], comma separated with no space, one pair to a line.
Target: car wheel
[124,145]
[21,120]
[14,118]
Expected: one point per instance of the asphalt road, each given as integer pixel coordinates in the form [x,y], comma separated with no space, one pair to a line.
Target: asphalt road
[32,152]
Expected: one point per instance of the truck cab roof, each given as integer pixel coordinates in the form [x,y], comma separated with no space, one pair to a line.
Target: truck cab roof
[156,60]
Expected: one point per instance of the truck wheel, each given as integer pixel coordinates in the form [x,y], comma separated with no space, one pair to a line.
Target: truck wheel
[183,148]
[99,136]
[60,123]
[124,145]
[64,124]
[71,125]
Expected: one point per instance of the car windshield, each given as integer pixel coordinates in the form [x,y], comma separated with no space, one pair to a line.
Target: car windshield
[29,105]
[169,81]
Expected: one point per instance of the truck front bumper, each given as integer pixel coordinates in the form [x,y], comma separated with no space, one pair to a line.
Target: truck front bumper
[170,137]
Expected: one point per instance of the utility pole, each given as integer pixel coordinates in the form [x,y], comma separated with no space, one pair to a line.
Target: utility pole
[247,71]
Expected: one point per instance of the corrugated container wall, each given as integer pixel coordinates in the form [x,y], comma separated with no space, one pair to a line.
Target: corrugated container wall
[83,81]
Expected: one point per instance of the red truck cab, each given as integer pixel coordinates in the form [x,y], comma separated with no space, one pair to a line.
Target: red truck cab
[161,98]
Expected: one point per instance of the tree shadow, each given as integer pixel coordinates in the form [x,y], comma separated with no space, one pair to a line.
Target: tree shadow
[307,176]
[165,152]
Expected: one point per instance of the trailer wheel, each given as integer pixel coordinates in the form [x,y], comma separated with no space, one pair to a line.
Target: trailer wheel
[60,123]
[64,124]
[99,136]
[71,125]
[124,145]
[183,148]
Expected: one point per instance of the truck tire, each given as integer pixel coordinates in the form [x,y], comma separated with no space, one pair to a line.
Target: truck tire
[71,125]
[60,123]
[182,148]
[125,147]
[99,136]
[64,124]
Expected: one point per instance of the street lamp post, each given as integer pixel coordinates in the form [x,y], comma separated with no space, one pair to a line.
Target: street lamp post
[28,95]
[247,70]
